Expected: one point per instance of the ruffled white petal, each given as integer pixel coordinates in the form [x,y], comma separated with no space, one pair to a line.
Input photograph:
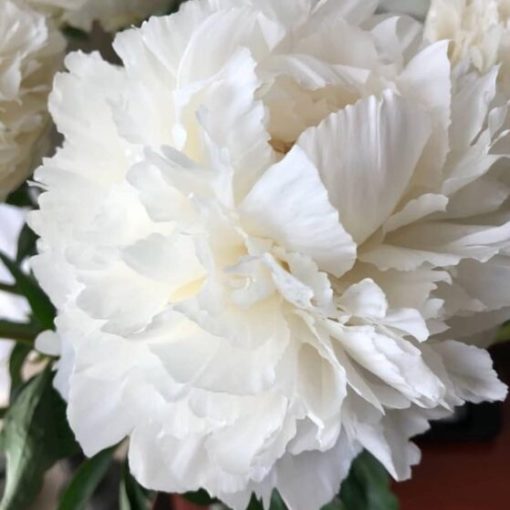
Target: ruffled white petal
[388,135]
[290,203]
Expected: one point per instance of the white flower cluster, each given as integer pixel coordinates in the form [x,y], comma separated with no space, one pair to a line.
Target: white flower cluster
[31,52]
[272,237]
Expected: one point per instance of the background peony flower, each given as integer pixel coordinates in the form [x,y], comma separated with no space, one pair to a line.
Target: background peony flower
[31,51]
[479,31]
[258,234]
[111,14]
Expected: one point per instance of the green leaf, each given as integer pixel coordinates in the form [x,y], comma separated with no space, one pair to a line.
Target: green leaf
[35,436]
[277,502]
[85,481]
[132,495]
[41,306]
[200,498]
[19,331]
[26,243]
[336,504]
[75,33]
[21,197]
[255,503]
[368,486]
[174,6]
[16,361]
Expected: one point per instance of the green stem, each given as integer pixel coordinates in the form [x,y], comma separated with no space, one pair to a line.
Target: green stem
[19,332]
[11,289]
[29,342]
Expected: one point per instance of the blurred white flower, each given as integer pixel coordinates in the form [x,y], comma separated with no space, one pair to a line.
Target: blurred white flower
[479,31]
[31,51]
[258,233]
[111,14]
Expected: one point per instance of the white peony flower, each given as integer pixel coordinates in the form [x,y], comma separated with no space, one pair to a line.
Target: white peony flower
[258,234]
[31,51]
[111,14]
[479,31]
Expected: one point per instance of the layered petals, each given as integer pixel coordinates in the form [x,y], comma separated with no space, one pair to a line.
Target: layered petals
[263,247]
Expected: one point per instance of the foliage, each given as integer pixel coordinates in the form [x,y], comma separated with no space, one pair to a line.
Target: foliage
[35,436]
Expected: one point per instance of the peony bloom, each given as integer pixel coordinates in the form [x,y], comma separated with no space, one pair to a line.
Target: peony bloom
[111,14]
[270,235]
[479,31]
[31,51]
